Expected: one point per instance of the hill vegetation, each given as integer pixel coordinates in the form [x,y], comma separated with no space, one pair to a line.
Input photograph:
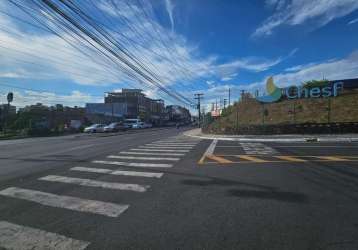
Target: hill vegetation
[249,112]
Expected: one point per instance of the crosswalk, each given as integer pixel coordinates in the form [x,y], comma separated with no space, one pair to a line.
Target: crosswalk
[156,155]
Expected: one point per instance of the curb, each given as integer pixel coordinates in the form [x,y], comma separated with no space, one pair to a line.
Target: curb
[286,140]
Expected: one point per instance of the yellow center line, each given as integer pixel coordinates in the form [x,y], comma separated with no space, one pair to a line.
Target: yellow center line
[251,158]
[289,158]
[218,159]
[332,158]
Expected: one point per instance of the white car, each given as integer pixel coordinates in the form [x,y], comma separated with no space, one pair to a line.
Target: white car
[95,128]
[142,125]
[138,125]
[115,127]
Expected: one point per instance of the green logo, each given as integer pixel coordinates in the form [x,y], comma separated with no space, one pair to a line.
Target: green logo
[273,92]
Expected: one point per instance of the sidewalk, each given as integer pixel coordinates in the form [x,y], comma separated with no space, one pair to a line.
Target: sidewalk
[275,138]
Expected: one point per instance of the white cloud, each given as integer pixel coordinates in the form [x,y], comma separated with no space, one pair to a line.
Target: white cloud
[254,64]
[229,77]
[296,12]
[76,98]
[333,69]
[170,8]
[30,54]
[353,21]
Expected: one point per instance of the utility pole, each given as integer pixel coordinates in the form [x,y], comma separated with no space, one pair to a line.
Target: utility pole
[225,102]
[199,97]
[229,96]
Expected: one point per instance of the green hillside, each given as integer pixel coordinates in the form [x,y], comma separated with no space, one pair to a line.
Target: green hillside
[248,111]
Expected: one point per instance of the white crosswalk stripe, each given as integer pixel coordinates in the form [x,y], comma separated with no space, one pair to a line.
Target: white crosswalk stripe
[165,147]
[94,183]
[67,202]
[13,236]
[117,172]
[151,153]
[135,164]
[170,146]
[143,158]
[160,150]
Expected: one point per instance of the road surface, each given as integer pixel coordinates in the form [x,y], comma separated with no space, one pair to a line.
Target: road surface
[158,189]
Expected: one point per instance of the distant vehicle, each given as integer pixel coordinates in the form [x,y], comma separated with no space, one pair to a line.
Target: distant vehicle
[95,128]
[142,125]
[138,125]
[148,125]
[115,127]
[131,122]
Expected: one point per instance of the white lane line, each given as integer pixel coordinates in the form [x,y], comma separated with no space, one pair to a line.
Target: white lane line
[171,145]
[13,236]
[164,147]
[160,150]
[209,151]
[143,158]
[67,202]
[118,172]
[135,164]
[151,153]
[94,183]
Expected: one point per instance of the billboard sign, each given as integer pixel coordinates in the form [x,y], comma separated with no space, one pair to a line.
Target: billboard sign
[275,93]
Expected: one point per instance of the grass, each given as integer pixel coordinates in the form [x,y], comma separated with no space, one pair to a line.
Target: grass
[343,108]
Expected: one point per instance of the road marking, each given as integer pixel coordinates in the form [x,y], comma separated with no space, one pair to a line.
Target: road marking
[143,158]
[252,148]
[149,153]
[289,158]
[209,151]
[172,144]
[135,164]
[332,158]
[315,146]
[160,150]
[251,158]
[67,202]
[13,236]
[218,159]
[118,172]
[94,183]
[164,147]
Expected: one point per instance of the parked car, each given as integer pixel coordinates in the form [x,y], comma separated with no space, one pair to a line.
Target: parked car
[138,125]
[95,128]
[131,122]
[142,125]
[147,125]
[115,127]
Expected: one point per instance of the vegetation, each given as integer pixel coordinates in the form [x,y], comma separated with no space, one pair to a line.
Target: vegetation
[249,112]
[315,83]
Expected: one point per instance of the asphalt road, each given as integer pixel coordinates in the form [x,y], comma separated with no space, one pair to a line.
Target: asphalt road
[158,189]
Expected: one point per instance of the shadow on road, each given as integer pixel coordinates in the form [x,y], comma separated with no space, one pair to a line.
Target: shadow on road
[270,195]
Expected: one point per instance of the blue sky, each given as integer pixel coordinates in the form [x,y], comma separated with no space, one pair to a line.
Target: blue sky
[203,46]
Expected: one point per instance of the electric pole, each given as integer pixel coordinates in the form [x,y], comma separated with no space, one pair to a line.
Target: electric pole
[199,97]
[229,96]
[225,103]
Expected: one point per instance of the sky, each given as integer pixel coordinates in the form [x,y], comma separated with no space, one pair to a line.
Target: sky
[193,46]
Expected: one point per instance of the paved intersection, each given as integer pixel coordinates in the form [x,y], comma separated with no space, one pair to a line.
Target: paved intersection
[163,190]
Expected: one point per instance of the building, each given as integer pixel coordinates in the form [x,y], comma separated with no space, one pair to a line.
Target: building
[178,114]
[129,103]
